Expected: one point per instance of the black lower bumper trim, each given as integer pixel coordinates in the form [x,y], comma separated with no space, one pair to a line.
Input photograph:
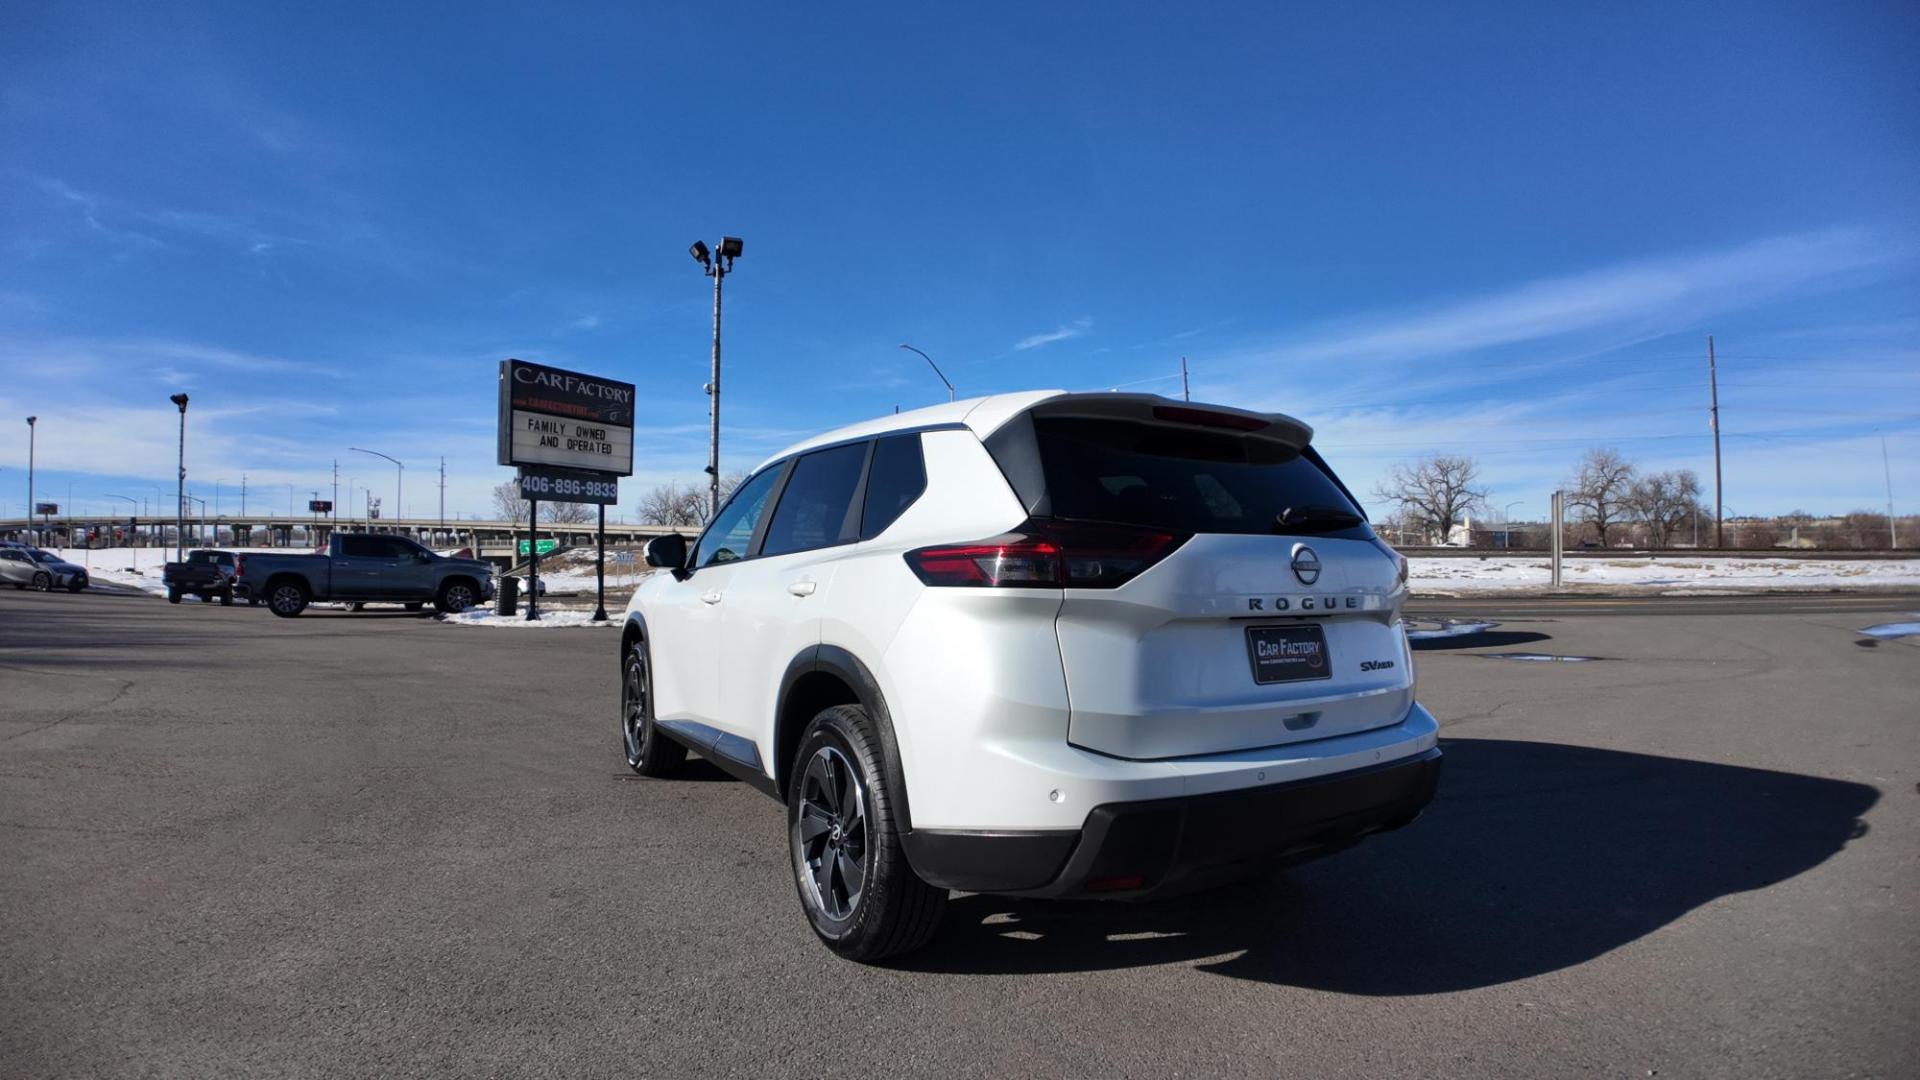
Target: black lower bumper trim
[1138,849]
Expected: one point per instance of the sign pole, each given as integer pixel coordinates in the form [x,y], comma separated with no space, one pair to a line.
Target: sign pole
[533,549]
[600,569]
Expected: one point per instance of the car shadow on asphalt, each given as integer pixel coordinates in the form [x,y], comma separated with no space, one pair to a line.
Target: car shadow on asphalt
[1534,857]
[1485,639]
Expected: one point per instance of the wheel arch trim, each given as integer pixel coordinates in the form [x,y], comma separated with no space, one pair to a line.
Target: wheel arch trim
[844,665]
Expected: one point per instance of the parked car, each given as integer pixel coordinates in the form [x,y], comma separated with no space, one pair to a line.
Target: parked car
[26,567]
[207,574]
[1039,644]
[364,568]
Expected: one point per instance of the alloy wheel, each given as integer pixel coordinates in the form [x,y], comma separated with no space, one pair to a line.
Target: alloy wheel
[286,598]
[831,834]
[633,707]
[459,598]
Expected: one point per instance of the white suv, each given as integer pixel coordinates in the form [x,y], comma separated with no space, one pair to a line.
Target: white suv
[1044,644]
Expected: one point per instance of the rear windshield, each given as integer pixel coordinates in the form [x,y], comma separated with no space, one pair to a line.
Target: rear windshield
[1182,479]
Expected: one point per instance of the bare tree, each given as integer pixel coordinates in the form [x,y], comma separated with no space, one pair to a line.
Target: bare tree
[566,513]
[1436,491]
[507,503]
[1601,487]
[671,504]
[1663,502]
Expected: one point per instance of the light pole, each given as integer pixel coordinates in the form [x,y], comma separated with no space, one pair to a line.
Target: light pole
[718,265]
[934,366]
[33,423]
[130,533]
[400,476]
[1507,520]
[203,517]
[180,491]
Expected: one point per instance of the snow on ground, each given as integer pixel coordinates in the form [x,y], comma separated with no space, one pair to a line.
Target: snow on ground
[1893,630]
[1450,575]
[139,568]
[548,620]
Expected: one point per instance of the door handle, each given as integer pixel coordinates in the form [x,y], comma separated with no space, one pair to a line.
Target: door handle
[710,598]
[801,588]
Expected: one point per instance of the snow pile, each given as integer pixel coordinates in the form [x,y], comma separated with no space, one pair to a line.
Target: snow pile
[548,620]
[1443,576]
[1893,630]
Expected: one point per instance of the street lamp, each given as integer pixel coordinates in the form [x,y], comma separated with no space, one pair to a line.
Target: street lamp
[1507,520]
[400,477]
[32,427]
[934,366]
[203,518]
[131,536]
[717,265]
[180,491]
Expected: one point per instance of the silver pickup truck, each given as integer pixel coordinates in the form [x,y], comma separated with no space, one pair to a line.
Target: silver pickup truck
[366,568]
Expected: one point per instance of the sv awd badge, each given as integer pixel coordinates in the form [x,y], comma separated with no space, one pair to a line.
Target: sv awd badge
[1375,665]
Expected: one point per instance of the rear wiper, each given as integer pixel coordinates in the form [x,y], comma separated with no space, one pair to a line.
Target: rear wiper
[1310,519]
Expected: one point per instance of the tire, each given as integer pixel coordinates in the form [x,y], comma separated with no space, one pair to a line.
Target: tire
[415,605]
[287,598]
[356,607]
[456,596]
[173,596]
[253,601]
[650,752]
[75,586]
[42,582]
[843,838]
[226,598]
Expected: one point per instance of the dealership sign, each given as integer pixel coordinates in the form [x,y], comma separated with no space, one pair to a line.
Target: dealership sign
[46,509]
[552,417]
[319,506]
[544,483]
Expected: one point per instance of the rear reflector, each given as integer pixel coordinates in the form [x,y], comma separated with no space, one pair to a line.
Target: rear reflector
[1180,414]
[1047,554]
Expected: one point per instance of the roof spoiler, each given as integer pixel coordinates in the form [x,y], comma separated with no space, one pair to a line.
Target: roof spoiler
[1154,409]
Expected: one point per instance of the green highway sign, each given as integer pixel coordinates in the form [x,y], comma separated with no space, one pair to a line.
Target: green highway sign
[546,547]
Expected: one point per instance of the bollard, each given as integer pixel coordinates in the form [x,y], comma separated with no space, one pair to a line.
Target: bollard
[508,599]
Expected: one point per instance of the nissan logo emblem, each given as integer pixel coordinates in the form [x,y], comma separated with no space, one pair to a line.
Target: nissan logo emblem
[1306,565]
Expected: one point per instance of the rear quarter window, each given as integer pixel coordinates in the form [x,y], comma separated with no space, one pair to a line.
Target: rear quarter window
[1178,478]
[895,479]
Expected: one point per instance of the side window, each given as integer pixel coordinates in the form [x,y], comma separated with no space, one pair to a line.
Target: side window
[360,547]
[813,509]
[392,547]
[727,538]
[896,478]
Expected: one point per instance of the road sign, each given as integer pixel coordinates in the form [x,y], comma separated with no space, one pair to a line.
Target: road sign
[319,506]
[553,417]
[545,483]
[546,547]
[46,509]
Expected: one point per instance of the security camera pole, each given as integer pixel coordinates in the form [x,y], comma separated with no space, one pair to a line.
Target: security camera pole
[180,491]
[718,265]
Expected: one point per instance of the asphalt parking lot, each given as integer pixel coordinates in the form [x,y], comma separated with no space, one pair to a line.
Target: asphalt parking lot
[375,845]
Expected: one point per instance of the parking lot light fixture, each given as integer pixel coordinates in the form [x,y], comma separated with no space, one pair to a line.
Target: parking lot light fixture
[180,490]
[717,266]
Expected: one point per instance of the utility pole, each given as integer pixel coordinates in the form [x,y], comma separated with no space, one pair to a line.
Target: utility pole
[336,494]
[443,492]
[1713,382]
[1185,393]
[243,495]
[718,265]
[1893,535]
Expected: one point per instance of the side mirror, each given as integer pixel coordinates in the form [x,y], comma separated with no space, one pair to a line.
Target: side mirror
[667,552]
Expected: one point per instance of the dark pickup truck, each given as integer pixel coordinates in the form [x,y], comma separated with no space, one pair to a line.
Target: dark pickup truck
[366,568]
[206,574]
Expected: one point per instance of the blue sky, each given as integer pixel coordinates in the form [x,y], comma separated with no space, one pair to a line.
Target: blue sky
[1505,232]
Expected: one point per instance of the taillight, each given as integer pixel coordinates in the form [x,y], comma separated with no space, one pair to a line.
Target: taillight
[1399,560]
[1045,554]
[239,565]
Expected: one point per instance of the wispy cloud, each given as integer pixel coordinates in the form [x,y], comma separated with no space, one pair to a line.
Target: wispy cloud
[90,213]
[1074,329]
[1645,297]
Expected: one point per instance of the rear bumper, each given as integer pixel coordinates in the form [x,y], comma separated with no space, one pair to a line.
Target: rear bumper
[1137,849]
